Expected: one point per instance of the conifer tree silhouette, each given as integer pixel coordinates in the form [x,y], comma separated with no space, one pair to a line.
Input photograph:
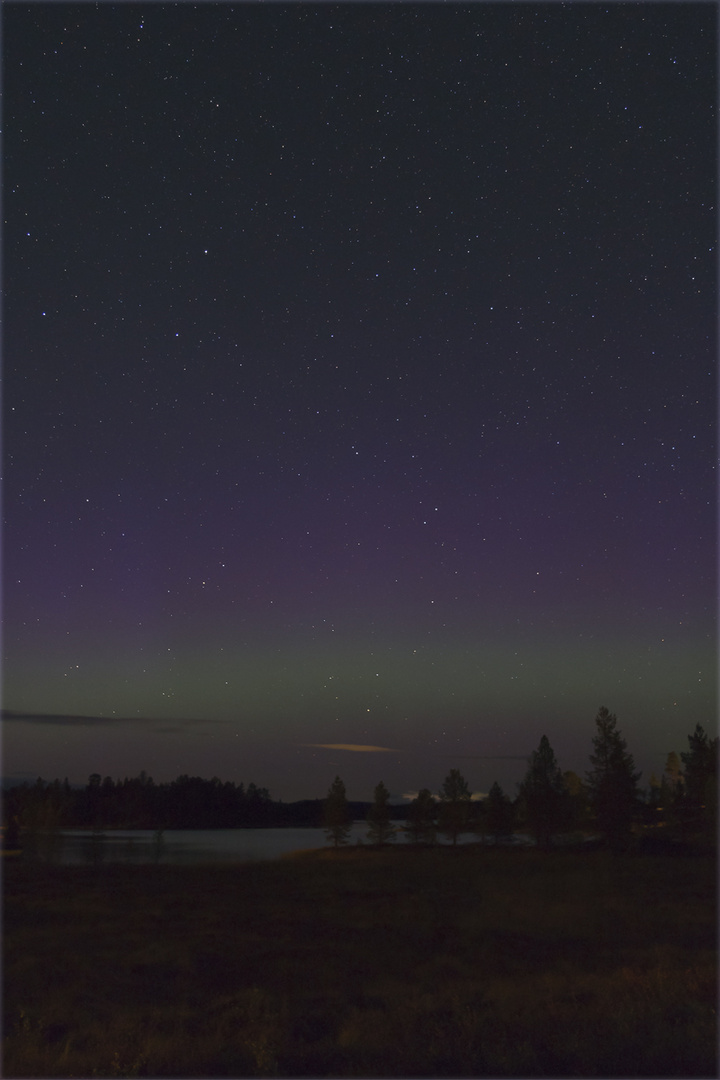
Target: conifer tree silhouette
[380,831]
[337,814]
[612,782]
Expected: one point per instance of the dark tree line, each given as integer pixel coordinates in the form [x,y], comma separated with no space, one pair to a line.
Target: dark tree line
[189,802]
[608,801]
[138,803]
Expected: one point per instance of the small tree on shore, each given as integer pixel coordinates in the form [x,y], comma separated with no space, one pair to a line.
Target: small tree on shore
[612,782]
[499,813]
[699,796]
[421,818]
[337,814]
[380,831]
[543,797]
[454,808]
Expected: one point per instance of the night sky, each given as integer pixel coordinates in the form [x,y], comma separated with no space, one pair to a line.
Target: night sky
[359,389]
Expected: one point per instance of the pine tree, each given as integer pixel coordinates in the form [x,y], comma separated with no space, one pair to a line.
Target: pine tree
[337,813]
[543,795]
[454,805]
[380,831]
[499,813]
[699,801]
[673,771]
[612,782]
[666,800]
[421,818]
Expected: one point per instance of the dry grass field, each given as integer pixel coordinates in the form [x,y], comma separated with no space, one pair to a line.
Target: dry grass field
[362,963]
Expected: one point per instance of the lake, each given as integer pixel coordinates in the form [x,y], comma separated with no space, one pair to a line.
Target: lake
[77,847]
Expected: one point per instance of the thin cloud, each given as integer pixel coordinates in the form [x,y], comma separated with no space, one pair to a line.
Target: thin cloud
[74,720]
[357,748]
[61,719]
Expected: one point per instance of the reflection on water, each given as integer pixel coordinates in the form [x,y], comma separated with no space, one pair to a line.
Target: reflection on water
[74,847]
[190,845]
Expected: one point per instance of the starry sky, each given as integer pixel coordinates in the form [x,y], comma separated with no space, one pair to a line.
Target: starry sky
[359,389]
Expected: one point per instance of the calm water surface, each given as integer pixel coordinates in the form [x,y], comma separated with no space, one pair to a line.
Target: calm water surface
[73,847]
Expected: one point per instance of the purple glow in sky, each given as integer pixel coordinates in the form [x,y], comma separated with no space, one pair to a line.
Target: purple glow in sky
[359,389]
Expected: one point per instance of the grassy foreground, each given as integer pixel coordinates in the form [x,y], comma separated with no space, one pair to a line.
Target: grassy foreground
[445,962]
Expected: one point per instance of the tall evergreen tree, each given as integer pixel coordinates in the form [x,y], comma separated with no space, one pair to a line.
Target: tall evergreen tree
[699,800]
[454,810]
[337,814]
[380,831]
[543,796]
[612,782]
